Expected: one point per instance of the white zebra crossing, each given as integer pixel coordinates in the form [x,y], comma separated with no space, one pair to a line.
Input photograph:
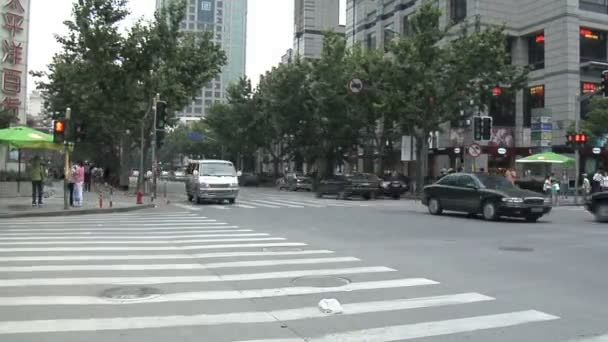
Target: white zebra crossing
[190,244]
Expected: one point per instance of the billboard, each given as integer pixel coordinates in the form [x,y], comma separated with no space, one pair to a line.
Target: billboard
[206,11]
[502,137]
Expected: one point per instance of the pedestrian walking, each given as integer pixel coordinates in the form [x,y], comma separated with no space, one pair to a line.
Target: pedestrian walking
[511,176]
[87,176]
[36,171]
[555,192]
[565,184]
[586,186]
[78,184]
[547,186]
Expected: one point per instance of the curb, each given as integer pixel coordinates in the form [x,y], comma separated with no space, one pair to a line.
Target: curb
[77,212]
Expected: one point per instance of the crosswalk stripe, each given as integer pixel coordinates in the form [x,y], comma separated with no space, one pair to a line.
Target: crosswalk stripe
[187,207]
[129,323]
[149,267]
[127,237]
[146,248]
[112,234]
[134,242]
[603,338]
[296,203]
[111,220]
[276,203]
[161,256]
[125,229]
[222,207]
[247,202]
[429,329]
[240,205]
[176,280]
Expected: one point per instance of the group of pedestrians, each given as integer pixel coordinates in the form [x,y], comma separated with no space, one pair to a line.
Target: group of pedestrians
[80,179]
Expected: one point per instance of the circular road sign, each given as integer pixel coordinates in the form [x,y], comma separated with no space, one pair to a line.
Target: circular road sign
[474,150]
[355,85]
[597,150]
[502,151]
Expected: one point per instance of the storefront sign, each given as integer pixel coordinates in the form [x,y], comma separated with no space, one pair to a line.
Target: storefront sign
[502,151]
[597,150]
[589,87]
[13,35]
[457,150]
[589,34]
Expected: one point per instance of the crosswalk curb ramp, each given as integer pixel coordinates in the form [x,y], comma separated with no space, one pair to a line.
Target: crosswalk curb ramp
[176,269]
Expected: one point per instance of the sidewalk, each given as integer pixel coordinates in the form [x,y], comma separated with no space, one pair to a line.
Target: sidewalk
[13,207]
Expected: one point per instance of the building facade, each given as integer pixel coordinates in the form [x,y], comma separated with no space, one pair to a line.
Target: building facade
[311,19]
[564,42]
[35,107]
[227,21]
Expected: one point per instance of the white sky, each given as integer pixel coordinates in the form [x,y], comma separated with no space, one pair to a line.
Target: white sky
[269,31]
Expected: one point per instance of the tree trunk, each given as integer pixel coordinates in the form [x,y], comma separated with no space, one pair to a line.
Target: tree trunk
[422,160]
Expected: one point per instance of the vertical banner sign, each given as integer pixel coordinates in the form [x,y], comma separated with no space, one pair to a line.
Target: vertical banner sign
[206,11]
[13,66]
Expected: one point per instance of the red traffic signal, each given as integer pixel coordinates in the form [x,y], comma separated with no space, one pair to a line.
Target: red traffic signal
[59,128]
[497,91]
[577,139]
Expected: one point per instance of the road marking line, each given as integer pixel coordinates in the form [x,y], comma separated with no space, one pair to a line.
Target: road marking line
[126,238]
[146,322]
[117,235]
[170,280]
[146,248]
[187,207]
[160,256]
[279,204]
[155,223]
[126,229]
[134,242]
[239,205]
[148,267]
[603,338]
[297,203]
[222,207]
[258,204]
[139,220]
[429,329]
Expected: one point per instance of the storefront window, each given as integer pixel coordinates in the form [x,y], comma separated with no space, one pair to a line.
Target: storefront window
[536,51]
[534,98]
[458,10]
[593,45]
[370,41]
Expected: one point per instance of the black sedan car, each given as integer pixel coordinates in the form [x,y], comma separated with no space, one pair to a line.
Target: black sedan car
[491,196]
[598,206]
[295,182]
[345,186]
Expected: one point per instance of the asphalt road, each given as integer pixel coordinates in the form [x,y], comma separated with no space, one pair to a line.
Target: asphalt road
[257,271]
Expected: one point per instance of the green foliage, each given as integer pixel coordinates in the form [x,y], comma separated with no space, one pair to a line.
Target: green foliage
[177,143]
[109,79]
[595,123]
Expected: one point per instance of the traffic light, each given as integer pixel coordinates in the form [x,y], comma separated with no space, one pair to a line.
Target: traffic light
[160,139]
[486,128]
[161,115]
[79,132]
[577,139]
[477,128]
[605,83]
[59,131]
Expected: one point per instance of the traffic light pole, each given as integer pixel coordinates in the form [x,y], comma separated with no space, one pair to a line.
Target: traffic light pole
[66,166]
[154,162]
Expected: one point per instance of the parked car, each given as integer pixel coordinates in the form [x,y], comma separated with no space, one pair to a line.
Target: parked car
[211,180]
[249,179]
[597,204]
[394,186]
[294,182]
[345,186]
[491,196]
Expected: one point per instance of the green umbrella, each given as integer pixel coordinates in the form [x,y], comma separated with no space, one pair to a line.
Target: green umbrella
[547,158]
[25,137]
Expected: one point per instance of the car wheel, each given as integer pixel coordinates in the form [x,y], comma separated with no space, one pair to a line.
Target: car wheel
[190,198]
[601,212]
[199,200]
[231,200]
[490,213]
[532,218]
[318,195]
[435,207]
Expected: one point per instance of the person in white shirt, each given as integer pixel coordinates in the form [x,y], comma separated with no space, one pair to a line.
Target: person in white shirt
[598,178]
[586,186]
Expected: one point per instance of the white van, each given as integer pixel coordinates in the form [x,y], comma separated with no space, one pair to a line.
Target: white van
[211,180]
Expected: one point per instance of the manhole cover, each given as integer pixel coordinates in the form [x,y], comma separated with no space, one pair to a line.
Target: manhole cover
[321,281]
[281,249]
[516,249]
[130,293]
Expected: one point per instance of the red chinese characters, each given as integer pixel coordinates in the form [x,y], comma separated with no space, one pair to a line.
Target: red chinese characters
[15,5]
[13,23]
[13,52]
[11,81]
[13,55]
[11,105]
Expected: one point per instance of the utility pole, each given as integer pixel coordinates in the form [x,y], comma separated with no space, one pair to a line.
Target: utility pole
[140,177]
[66,166]
[154,162]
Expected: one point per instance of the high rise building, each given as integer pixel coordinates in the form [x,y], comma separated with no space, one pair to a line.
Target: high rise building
[227,20]
[564,43]
[311,19]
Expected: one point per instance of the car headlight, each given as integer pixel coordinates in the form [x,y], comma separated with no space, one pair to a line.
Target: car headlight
[513,200]
[204,185]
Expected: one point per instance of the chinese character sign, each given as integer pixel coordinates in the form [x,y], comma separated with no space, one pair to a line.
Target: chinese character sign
[206,13]
[13,65]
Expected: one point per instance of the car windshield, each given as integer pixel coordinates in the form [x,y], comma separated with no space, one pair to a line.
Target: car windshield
[495,182]
[217,169]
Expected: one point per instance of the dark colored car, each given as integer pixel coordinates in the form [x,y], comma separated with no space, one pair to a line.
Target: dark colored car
[295,182]
[249,179]
[394,186]
[345,186]
[598,206]
[491,196]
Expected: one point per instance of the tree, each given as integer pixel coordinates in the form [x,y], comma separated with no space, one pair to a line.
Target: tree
[435,74]
[179,142]
[109,79]
[595,123]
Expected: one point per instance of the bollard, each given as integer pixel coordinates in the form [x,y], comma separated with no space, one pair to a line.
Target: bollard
[100,201]
[111,193]
[140,198]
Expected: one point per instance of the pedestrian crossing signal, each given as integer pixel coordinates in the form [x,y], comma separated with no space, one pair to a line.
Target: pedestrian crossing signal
[58,131]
